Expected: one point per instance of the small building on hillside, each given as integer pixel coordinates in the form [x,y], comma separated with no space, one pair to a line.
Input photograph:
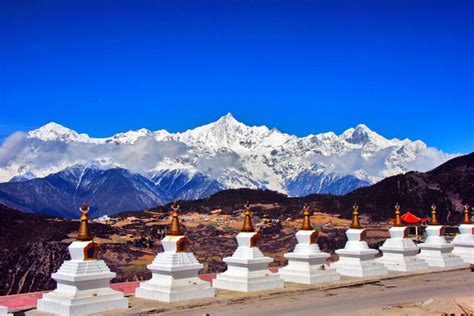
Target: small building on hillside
[414,223]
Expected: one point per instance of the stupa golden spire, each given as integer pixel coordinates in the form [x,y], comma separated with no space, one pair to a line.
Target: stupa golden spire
[174,229]
[306,219]
[398,220]
[84,231]
[247,227]
[434,216]
[355,217]
[467,215]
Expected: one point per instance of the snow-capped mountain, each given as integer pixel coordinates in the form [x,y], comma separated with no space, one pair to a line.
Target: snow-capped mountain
[107,191]
[224,154]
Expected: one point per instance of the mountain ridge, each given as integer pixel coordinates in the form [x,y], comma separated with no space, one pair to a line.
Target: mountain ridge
[224,154]
[449,186]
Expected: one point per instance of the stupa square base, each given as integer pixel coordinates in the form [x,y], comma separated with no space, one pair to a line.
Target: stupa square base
[83,287]
[439,256]
[399,252]
[356,259]
[308,269]
[247,275]
[174,276]
[309,277]
[82,303]
[358,263]
[400,262]
[4,311]
[464,243]
[465,252]
[190,289]
[263,281]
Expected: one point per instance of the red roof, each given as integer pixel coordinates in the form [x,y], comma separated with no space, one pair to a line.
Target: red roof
[412,219]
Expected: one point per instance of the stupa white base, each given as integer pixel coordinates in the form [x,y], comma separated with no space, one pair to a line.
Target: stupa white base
[464,243]
[4,311]
[399,253]
[306,264]
[174,276]
[247,269]
[169,289]
[357,259]
[436,251]
[87,302]
[83,287]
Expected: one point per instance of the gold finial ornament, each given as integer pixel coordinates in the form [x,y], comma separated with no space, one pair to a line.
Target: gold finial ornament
[84,231]
[434,216]
[306,219]
[247,227]
[355,217]
[398,220]
[174,229]
[467,215]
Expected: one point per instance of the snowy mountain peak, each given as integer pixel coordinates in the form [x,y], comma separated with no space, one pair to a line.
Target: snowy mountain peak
[362,135]
[129,137]
[228,154]
[227,122]
[23,177]
[49,129]
[228,119]
[55,131]
[226,132]
[363,127]
[93,165]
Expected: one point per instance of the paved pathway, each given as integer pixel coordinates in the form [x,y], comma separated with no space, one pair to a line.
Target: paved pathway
[356,299]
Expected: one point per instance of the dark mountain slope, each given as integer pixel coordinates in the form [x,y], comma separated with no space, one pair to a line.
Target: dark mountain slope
[449,186]
[106,191]
[31,249]
[115,190]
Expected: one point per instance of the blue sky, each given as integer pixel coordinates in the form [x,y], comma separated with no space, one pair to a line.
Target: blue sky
[402,67]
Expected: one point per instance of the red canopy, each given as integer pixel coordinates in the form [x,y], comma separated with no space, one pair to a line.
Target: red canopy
[412,219]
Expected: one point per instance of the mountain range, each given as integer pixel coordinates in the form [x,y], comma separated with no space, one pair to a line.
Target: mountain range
[450,186]
[53,168]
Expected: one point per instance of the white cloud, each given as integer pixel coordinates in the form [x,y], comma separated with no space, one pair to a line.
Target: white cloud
[215,165]
[50,156]
[428,159]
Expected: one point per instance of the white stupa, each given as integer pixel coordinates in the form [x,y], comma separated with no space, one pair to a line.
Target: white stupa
[4,311]
[435,250]
[247,269]
[399,251]
[464,241]
[175,271]
[83,282]
[307,264]
[357,259]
